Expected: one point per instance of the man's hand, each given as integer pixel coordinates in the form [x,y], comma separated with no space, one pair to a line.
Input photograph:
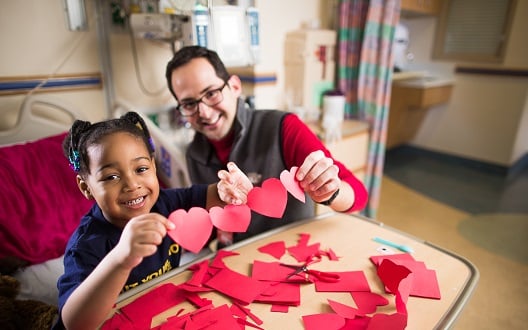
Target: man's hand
[234,185]
[318,176]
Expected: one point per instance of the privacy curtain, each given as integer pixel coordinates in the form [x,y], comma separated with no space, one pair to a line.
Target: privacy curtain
[364,73]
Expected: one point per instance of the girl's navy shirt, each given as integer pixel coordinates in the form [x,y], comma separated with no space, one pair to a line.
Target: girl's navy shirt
[95,237]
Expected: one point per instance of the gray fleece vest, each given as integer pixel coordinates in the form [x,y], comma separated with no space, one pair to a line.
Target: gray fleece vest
[257,151]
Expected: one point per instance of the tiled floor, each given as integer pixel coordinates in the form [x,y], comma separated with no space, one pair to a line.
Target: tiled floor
[467,185]
[474,211]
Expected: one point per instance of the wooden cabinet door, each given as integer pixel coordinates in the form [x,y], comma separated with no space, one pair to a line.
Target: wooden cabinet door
[429,7]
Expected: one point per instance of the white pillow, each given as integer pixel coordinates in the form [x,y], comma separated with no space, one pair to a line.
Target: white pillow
[39,281]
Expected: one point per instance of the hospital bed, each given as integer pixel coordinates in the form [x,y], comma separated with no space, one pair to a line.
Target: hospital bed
[41,204]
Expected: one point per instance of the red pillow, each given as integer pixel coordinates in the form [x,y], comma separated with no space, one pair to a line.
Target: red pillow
[40,204]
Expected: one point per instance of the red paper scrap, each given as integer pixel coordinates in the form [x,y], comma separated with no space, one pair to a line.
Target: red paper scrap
[279,308]
[398,279]
[348,282]
[281,293]
[270,271]
[394,321]
[199,271]
[304,238]
[218,261]
[159,299]
[275,249]
[236,285]
[303,252]
[357,323]
[247,312]
[394,257]
[331,255]
[343,310]
[117,322]
[323,321]
[216,318]
[367,302]
[425,282]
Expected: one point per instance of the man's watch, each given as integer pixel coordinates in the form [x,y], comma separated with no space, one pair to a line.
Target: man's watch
[331,199]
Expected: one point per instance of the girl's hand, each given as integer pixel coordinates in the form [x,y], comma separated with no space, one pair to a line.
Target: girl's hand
[234,185]
[141,237]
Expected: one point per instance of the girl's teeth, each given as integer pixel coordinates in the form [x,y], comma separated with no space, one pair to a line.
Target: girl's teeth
[135,201]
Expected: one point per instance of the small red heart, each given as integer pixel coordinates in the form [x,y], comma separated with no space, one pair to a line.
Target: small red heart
[270,199]
[231,218]
[193,228]
[291,184]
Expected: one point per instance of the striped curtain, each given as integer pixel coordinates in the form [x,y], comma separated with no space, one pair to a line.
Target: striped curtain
[364,72]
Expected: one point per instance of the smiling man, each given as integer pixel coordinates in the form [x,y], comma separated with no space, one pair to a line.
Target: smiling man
[263,143]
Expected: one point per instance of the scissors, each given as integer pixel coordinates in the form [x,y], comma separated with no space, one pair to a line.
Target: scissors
[319,275]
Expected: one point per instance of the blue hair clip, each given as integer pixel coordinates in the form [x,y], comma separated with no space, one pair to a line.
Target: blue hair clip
[152,144]
[74,161]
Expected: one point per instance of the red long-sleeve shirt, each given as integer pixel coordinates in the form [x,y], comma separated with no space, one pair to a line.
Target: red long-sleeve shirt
[298,141]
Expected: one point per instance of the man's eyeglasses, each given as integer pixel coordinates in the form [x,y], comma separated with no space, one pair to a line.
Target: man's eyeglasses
[210,98]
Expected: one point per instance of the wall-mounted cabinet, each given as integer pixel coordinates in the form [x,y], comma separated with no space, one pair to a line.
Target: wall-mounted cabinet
[410,100]
[421,7]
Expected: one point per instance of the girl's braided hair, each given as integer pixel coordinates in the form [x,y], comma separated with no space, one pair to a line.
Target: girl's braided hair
[83,134]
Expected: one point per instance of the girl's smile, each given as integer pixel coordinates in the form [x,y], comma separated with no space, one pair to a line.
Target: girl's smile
[122,177]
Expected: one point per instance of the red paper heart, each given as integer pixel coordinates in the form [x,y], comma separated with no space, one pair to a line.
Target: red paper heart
[291,184]
[231,218]
[270,199]
[193,229]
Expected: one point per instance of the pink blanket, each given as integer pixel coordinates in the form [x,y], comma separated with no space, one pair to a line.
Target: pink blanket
[40,204]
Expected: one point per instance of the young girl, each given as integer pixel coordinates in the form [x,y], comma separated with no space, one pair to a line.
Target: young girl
[122,242]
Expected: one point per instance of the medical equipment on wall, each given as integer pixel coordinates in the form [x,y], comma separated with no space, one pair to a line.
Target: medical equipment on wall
[232,31]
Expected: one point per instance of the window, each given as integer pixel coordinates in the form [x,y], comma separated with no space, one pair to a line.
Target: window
[473,30]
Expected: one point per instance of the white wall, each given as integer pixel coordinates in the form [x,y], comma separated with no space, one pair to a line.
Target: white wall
[36,42]
[481,121]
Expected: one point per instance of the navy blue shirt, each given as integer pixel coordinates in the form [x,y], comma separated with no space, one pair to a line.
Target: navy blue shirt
[95,237]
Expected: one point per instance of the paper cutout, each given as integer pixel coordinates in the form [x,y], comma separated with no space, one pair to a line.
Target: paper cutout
[218,261]
[349,281]
[292,185]
[247,312]
[367,302]
[280,308]
[270,271]
[270,199]
[157,300]
[394,321]
[398,280]
[275,249]
[236,285]
[425,283]
[193,228]
[303,252]
[231,218]
[281,294]
[357,323]
[199,271]
[343,310]
[268,284]
[117,322]
[323,321]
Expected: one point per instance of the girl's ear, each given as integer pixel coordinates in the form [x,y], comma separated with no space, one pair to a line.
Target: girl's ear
[83,187]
